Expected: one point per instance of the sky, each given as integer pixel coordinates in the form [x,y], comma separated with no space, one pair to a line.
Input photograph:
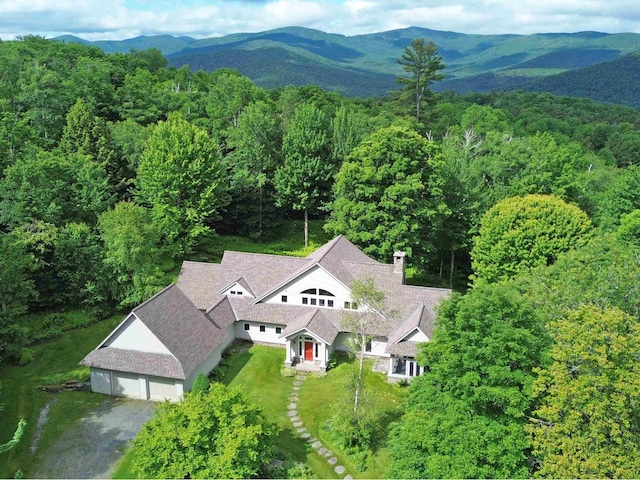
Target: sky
[121,19]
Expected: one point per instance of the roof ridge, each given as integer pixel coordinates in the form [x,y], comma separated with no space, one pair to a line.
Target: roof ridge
[164,290]
[333,243]
[261,255]
[400,323]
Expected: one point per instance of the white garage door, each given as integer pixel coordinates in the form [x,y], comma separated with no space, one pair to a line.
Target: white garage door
[126,384]
[101,381]
[162,389]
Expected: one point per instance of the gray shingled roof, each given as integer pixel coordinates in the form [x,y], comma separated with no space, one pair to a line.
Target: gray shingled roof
[198,281]
[180,326]
[314,322]
[403,349]
[132,361]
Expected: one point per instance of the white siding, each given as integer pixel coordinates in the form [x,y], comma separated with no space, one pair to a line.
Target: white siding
[255,335]
[316,277]
[101,381]
[237,288]
[416,336]
[205,367]
[135,335]
[378,345]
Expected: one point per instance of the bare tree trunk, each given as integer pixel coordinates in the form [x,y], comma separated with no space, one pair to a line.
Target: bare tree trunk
[306,227]
[441,268]
[452,268]
[356,397]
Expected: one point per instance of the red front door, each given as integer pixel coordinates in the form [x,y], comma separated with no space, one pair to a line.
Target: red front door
[308,351]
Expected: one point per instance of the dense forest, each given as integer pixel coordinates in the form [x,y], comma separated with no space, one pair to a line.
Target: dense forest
[526,204]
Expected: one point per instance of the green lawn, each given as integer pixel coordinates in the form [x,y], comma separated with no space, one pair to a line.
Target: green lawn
[290,241]
[257,372]
[320,396]
[55,361]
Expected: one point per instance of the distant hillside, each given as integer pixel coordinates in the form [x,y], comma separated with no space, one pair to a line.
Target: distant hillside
[616,81]
[365,65]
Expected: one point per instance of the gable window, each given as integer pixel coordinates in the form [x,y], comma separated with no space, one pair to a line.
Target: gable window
[263,328]
[236,292]
[314,296]
[283,298]
[232,292]
[278,329]
[246,326]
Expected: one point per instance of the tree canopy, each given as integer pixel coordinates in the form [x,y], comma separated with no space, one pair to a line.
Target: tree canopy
[523,232]
[217,434]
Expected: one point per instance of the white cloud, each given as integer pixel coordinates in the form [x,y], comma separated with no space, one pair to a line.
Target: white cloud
[93,19]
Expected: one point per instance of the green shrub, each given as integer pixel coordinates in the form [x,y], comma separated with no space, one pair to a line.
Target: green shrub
[288,372]
[218,373]
[333,361]
[201,384]
[25,356]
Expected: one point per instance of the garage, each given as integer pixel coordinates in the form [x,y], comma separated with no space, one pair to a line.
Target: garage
[101,381]
[126,385]
[162,389]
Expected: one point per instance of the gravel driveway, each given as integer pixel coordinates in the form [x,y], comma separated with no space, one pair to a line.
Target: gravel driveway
[92,447]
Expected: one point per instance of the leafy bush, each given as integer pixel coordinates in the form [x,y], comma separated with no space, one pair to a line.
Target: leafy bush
[333,361]
[201,384]
[288,372]
[25,357]
[218,373]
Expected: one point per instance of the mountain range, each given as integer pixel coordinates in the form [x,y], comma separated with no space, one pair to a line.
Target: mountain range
[592,64]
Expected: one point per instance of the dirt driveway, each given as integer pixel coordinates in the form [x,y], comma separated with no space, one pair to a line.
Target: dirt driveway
[92,447]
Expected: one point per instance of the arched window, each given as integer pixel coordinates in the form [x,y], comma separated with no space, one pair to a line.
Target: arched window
[314,297]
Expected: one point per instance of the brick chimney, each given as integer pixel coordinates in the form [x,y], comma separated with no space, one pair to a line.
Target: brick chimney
[398,264]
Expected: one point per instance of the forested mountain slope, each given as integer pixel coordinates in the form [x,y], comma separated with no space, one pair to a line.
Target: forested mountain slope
[301,56]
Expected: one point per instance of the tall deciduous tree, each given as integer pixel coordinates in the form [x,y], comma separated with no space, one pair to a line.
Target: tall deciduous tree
[17,289]
[304,181]
[256,143]
[180,178]
[465,416]
[587,425]
[53,188]
[519,233]
[131,252]
[217,434]
[388,194]
[423,64]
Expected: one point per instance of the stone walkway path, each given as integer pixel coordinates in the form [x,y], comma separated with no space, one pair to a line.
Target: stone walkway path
[302,431]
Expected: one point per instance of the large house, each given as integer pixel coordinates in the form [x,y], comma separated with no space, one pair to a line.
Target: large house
[299,303]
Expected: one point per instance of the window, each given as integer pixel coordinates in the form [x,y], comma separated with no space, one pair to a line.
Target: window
[283,298]
[232,292]
[347,305]
[325,293]
[305,301]
[310,291]
[317,354]
[329,303]
[246,326]
[278,329]
[367,347]
[321,302]
[239,292]
[313,301]
[263,328]
[300,348]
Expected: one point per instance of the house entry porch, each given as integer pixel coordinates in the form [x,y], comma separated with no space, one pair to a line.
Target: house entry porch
[307,353]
